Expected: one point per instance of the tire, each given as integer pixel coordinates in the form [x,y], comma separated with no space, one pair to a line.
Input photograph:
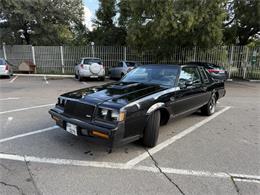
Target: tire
[122,75]
[80,78]
[210,107]
[151,130]
[102,78]
[76,76]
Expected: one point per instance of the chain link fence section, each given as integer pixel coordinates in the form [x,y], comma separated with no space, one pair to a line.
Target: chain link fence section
[240,61]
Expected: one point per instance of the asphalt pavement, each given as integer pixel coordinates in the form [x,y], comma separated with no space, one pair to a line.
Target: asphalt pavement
[219,154]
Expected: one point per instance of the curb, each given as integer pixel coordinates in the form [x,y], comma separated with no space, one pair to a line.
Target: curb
[256,81]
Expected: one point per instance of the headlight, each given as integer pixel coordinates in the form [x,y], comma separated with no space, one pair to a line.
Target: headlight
[104,112]
[114,115]
[110,115]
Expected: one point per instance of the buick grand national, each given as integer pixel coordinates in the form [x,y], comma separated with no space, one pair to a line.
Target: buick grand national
[135,107]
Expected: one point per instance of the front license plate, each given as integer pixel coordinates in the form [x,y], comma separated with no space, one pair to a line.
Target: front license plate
[71,129]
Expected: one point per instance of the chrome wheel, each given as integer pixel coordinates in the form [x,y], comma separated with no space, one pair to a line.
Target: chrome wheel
[212,104]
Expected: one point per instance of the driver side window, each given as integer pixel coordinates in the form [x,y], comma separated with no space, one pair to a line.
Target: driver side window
[189,75]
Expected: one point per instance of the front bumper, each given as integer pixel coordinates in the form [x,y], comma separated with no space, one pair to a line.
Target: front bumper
[115,135]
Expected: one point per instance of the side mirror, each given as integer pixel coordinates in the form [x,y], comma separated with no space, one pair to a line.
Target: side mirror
[188,83]
[185,84]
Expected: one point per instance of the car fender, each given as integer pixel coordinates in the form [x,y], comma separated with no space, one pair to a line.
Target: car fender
[154,107]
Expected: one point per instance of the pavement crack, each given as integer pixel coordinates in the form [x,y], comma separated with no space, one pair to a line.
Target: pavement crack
[27,163]
[163,173]
[234,183]
[13,186]
[5,167]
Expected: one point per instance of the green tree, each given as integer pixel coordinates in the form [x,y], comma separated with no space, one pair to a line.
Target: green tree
[242,25]
[105,31]
[162,25]
[40,22]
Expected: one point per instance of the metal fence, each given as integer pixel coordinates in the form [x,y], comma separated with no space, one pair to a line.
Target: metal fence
[240,61]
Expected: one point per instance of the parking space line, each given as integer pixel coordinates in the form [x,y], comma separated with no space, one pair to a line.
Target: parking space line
[27,108]
[27,134]
[173,139]
[12,80]
[112,165]
[45,78]
[10,98]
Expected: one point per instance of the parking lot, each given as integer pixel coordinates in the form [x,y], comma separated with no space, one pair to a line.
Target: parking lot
[219,154]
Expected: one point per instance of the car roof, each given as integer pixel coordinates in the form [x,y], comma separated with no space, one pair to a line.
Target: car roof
[176,65]
[201,63]
[91,58]
[128,61]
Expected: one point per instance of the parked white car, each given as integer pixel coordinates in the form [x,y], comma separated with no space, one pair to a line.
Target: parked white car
[90,68]
[5,68]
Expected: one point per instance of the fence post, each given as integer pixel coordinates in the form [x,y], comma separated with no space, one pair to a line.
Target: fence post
[33,57]
[195,53]
[245,66]
[124,53]
[5,57]
[231,61]
[62,59]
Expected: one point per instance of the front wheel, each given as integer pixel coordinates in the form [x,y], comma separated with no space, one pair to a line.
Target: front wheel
[210,107]
[151,130]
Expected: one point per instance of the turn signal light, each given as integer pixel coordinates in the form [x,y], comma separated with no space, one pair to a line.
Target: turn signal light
[99,134]
[121,116]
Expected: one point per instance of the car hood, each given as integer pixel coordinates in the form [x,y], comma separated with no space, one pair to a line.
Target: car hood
[121,93]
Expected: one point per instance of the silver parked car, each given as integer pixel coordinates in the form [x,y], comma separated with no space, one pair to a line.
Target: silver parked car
[90,68]
[5,68]
[121,69]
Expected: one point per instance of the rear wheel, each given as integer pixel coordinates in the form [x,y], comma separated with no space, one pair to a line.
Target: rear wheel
[210,107]
[102,78]
[151,130]
[122,75]
[80,78]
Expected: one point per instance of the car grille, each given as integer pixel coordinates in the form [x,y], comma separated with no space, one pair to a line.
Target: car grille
[79,110]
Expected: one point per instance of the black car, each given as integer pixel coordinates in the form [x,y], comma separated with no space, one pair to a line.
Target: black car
[135,107]
[216,71]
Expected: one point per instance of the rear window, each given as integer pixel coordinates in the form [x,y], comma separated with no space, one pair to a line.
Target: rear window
[90,61]
[2,62]
[130,64]
[204,75]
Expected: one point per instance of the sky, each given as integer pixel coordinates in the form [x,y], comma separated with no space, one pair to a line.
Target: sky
[90,7]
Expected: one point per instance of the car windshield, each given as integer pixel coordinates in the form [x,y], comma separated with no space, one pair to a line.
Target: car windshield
[2,62]
[90,61]
[153,74]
